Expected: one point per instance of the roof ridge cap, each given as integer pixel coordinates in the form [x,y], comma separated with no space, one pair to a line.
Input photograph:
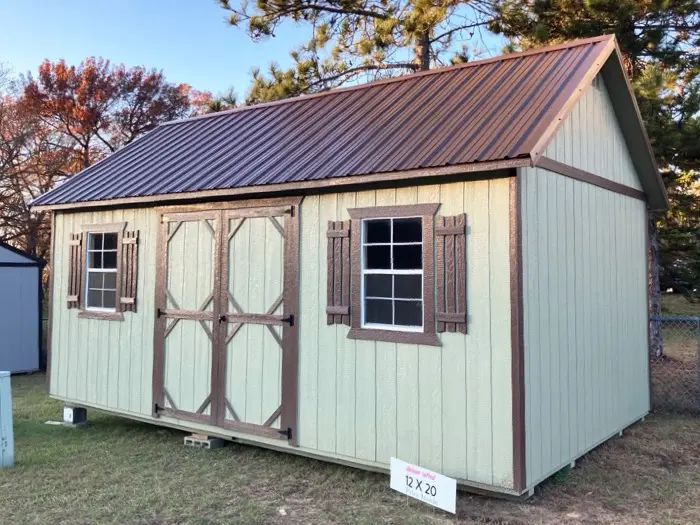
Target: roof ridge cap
[401,78]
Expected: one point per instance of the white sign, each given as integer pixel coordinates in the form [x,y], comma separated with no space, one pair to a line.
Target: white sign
[423,484]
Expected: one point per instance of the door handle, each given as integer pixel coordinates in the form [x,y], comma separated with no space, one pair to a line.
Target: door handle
[222,318]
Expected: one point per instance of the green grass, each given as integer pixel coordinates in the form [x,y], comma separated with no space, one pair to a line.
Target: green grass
[119,472]
[678,304]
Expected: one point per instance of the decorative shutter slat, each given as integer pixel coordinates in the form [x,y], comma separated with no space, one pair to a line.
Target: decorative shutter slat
[129,267]
[75,269]
[451,277]
[338,277]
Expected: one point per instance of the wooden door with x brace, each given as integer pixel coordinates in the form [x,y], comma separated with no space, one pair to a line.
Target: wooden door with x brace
[226,335]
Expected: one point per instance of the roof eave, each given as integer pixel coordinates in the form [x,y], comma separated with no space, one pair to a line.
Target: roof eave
[298,188]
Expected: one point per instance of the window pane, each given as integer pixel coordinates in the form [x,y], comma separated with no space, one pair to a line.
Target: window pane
[94,298]
[110,281]
[408,230]
[110,241]
[408,257]
[408,313]
[94,280]
[377,285]
[378,257]
[408,286]
[377,231]
[378,311]
[109,299]
[95,241]
[95,259]
[110,260]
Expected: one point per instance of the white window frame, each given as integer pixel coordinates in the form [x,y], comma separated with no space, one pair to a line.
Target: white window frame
[89,270]
[364,271]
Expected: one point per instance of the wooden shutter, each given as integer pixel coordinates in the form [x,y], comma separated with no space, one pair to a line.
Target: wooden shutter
[76,259]
[129,265]
[338,278]
[451,273]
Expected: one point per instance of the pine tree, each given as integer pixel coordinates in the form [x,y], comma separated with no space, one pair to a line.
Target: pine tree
[660,42]
[353,39]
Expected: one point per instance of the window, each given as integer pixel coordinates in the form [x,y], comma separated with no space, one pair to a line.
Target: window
[101,286]
[102,271]
[392,273]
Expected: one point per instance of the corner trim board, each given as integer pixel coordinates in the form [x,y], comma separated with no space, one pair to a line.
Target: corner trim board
[517,336]
[585,176]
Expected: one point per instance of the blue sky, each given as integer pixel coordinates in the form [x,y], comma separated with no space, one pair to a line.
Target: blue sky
[188,39]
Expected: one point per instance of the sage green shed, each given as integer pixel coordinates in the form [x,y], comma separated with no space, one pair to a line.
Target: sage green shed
[448,268]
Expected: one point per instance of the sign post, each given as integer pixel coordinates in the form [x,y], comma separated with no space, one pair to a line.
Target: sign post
[424,485]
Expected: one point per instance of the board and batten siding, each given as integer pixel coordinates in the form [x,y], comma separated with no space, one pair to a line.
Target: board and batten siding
[585,329]
[446,408]
[105,364]
[590,139]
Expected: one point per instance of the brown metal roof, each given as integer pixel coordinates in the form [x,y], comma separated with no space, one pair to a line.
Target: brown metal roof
[477,112]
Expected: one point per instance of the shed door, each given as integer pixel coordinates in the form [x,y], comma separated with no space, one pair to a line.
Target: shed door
[236,273]
[186,327]
[256,317]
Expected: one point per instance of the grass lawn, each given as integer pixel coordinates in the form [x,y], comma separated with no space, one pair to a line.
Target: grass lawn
[122,472]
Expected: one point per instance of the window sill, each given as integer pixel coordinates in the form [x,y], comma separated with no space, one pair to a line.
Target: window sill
[393,336]
[105,316]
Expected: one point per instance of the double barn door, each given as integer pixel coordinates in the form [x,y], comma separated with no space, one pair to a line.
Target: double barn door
[226,299]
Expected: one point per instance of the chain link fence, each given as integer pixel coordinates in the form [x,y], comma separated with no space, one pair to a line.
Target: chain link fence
[675,375]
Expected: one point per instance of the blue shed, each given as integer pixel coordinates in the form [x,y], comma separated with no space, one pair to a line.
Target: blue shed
[20,310]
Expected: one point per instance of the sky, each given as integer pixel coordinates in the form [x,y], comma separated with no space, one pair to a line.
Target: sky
[188,39]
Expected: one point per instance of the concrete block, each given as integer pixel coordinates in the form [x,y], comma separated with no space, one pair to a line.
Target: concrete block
[206,442]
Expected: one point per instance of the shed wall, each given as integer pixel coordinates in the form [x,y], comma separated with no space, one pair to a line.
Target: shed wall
[447,408]
[19,317]
[590,139]
[107,364]
[585,329]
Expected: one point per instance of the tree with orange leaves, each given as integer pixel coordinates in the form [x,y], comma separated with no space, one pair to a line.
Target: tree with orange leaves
[101,107]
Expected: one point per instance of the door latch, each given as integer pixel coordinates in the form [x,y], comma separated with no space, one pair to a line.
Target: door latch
[222,318]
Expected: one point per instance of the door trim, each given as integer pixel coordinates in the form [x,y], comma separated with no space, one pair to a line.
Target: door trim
[290,332]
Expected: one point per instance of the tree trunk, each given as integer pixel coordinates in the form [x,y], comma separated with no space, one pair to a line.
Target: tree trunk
[656,344]
[422,51]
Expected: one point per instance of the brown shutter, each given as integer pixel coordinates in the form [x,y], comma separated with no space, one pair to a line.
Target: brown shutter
[75,269]
[129,265]
[451,270]
[338,278]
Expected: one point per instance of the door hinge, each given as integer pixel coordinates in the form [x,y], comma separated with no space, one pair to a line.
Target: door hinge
[156,409]
[289,320]
[286,432]
[159,312]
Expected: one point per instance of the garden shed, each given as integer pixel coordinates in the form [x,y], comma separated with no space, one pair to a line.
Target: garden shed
[447,267]
[20,310]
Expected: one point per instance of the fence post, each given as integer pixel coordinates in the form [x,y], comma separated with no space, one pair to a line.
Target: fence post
[7,442]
